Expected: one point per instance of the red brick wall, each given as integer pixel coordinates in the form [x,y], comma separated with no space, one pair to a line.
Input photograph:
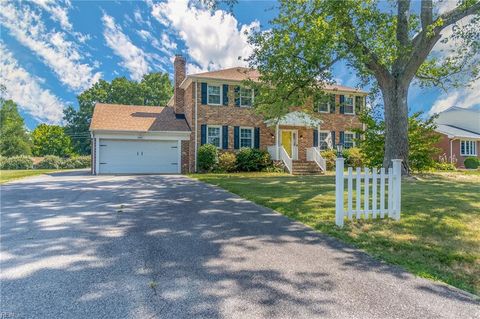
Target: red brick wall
[180,72]
[444,145]
[238,116]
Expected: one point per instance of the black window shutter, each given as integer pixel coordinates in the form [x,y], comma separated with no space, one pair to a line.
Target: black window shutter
[333,139]
[256,137]
[237,96]
[203,134]
[236,137]
[358,104]
[342,104]
[332,103]
[225,94]
[342,137]
[357,136]
[315,138]
[204,93]
[225,137]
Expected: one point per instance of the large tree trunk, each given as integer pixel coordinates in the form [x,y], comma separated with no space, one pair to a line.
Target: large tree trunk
[396,123]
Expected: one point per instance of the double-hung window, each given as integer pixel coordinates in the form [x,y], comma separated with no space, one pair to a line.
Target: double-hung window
[246,97]
[349,140]
[214,135]
[214,94]
[246,137]
[323,143]
[322,104]
[348,106]
[468,148]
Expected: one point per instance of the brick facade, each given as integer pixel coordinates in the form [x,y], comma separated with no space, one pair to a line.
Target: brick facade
[232,115]
[446,144]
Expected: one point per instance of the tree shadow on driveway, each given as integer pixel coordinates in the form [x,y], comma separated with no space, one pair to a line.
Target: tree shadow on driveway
[169,247]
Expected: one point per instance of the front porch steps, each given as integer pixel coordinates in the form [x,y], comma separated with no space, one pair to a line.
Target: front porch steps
[305,168]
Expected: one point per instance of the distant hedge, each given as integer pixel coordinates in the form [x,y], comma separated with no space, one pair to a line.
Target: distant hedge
[471,162]
[47,162]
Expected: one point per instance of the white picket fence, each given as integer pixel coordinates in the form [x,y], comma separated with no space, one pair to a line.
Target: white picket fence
[377,182]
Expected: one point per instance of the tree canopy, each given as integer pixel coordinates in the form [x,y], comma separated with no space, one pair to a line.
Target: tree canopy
[14,138]
[422,139]
[153,89]
[51,140]
[388,43]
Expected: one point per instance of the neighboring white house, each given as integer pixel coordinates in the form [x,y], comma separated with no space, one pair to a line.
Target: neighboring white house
[460,130]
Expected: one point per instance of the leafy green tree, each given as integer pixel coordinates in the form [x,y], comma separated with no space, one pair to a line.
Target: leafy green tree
[388,43]
[422,139]
[14,139]
[51,140]
[153,89]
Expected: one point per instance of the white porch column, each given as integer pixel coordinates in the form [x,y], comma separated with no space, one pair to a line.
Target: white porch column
[318,136]
[277,143]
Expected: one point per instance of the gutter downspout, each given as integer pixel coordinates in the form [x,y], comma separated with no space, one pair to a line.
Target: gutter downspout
[451,150]
[196,123]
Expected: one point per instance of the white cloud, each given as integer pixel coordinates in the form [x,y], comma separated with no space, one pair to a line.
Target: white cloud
[58,13]
[466,97]
[443,6]
[54,50]
[213,39]
[133,58]
[26,91]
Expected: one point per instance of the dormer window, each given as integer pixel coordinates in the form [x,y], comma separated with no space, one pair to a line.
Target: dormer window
[246,97]
[214,95]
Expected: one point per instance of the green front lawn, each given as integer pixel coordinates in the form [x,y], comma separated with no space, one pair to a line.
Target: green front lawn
[10,175]
[438,236]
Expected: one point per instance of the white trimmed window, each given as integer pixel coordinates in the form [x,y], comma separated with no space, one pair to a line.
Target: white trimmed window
[468,148]
[214,94]
[323,136]
[246,97]
[214,135]
[348,140]
[349,105]
[246,137]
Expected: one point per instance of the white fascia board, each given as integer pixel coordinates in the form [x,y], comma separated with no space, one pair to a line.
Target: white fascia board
[137,135]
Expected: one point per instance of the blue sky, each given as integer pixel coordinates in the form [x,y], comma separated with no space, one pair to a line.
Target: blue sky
[50,51]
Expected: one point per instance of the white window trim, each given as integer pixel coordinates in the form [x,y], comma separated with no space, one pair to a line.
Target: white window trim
[220,135]
[353,139]
[328,109]
[240,135]
[469,154]
[221,94]
[240,97]
[353,104]
[323,131]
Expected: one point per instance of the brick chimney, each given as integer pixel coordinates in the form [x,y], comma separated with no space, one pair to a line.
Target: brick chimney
[180,72]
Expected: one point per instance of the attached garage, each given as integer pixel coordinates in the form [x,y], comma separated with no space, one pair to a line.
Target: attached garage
[138,157]
[137,140]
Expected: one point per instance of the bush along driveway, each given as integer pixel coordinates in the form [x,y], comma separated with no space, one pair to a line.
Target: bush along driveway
[438,236]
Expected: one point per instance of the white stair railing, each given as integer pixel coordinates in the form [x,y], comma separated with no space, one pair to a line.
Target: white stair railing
[272,150]
[286,159]
[378,182]
[313,154]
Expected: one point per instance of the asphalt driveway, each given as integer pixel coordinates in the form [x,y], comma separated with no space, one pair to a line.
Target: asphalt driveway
[77,246]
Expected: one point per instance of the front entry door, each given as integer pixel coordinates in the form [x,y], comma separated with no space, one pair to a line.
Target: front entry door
[289,143]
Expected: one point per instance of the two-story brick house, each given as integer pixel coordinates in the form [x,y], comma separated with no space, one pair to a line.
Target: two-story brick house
[214,107]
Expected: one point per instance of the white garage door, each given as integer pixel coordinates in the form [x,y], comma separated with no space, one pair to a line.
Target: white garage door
[138,157]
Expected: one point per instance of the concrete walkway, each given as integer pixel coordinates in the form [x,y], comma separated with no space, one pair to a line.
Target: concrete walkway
[78,246]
